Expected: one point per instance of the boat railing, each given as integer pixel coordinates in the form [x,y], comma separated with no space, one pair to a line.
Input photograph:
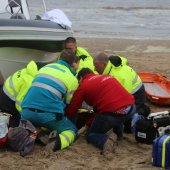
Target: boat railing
[14,4]
[18,9]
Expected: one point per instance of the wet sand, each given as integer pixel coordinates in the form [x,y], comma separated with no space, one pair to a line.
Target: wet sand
[152,56]
[143,55]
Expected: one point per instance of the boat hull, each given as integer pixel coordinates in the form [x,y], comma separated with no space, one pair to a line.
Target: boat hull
[24,40]
[14,58]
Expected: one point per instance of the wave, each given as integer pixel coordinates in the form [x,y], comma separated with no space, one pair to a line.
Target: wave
[135,8]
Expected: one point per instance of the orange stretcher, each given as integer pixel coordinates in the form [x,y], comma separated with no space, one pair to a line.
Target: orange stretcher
[157,87]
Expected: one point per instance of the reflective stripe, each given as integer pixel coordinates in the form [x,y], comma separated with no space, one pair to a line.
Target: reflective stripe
[70,92]
[135,79]
[66,137]
[18,102]
[55,67]
[137,88]
[164,151]
[47,87]
[53,79]
[8,94]
[18,105]
[12,86]
[68,101]
[66,97]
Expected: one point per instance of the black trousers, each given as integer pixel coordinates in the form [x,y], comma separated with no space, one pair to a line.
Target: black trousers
[140,97]
[141,107]
[7,105]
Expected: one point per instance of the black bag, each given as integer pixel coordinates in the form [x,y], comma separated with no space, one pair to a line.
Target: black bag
[148,129]
[145,131]
[162,125]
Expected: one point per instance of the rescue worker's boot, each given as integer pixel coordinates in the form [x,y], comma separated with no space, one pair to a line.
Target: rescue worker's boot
[60,141]
[110,144]
[42,136]
[53,142]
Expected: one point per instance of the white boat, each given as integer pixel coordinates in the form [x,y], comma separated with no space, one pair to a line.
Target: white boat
[24,39]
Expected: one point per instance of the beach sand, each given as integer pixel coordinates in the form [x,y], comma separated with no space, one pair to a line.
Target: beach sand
[142,55]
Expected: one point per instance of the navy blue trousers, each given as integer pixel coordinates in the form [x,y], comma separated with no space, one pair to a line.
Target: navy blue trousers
[103,123]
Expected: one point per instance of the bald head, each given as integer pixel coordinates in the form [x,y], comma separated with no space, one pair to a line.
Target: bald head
[101,57]
[100,62]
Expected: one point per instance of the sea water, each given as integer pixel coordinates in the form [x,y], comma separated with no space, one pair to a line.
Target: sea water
[131,19]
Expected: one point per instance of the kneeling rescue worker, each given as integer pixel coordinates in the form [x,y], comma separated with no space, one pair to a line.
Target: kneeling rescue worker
[46,100]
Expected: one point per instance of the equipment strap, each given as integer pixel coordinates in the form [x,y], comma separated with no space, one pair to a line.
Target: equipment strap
[164,150]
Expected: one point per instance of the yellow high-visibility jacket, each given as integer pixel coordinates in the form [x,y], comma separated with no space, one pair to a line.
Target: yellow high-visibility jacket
[17,85]
[62,75]
[127,77]
[87,62]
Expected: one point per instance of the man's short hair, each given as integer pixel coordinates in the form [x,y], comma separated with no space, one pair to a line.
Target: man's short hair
[83,72]
[70,40]
[69,57]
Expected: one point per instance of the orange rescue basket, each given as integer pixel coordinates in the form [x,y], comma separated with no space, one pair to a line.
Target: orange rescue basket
[157,87]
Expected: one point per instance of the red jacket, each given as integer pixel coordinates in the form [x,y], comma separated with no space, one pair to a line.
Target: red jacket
[103,92]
